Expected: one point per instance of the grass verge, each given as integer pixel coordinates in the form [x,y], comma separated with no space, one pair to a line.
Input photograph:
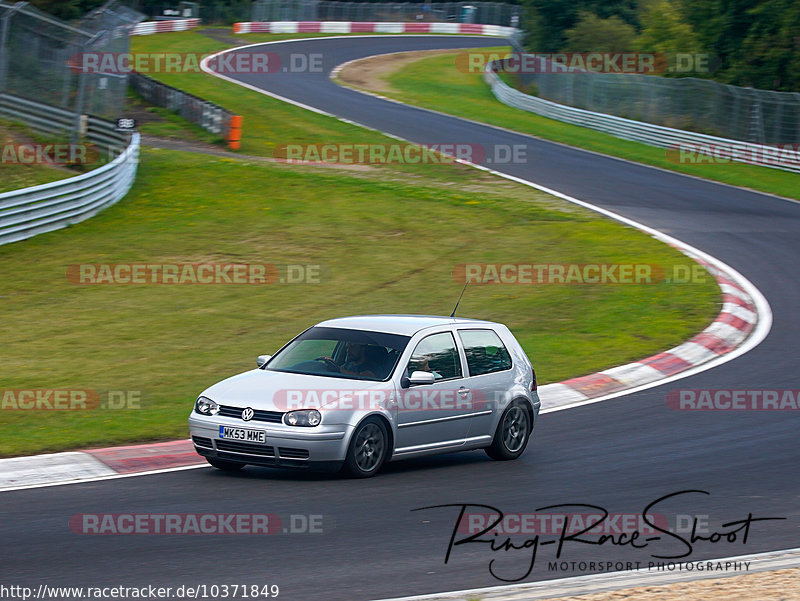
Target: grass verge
[15,170]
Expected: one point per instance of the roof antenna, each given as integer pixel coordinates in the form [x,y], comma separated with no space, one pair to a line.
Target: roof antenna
[453,314]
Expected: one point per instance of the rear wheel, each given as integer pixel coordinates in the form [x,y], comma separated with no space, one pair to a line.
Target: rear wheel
[512,434]
[228,466]
[368,448]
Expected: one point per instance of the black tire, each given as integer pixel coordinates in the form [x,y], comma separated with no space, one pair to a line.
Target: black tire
[228,466]
[512,434]
[368,449]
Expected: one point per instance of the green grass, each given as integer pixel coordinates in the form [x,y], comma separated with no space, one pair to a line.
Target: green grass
[16,175]
[387,238]
[434,82]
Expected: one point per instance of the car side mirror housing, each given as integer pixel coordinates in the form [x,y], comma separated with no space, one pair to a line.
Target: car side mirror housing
[262,359]
[421,377]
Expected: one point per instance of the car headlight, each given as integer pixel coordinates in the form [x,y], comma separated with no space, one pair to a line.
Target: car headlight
[205,406]
[306,417]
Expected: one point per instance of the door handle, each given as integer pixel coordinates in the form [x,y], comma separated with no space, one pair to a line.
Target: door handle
[463,391]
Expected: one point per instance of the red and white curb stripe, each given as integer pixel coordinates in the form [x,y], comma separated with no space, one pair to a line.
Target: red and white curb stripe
[150,27]
[370,27]
[97,464]
[729,330]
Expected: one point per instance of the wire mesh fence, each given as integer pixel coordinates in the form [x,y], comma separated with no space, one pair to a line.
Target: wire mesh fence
[689,103]
[38,52]
[488,13]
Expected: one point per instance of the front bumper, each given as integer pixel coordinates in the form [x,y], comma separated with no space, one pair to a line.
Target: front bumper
[286,446]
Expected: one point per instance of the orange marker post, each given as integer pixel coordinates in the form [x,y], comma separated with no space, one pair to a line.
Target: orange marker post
[234,132]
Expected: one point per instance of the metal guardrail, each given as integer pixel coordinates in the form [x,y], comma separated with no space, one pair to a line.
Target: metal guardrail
[54,120]
[718,149]
[31,211]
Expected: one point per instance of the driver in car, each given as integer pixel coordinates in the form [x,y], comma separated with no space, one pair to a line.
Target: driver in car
[356,361]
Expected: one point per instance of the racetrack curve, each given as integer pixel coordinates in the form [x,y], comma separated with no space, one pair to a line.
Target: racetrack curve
[619,454]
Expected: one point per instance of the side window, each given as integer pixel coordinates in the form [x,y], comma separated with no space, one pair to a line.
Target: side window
[485,352]
[437,354]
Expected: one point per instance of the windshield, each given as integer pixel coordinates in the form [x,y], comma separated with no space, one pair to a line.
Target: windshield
[341,353]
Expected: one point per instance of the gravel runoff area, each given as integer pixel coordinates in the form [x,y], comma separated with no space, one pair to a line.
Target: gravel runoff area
[780,585]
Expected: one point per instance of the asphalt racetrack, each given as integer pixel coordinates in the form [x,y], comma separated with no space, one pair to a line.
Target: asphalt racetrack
[620,455]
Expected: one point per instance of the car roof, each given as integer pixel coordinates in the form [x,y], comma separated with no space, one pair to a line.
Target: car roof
[407,325]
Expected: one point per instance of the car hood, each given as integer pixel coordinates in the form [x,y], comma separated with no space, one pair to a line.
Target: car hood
[277,391]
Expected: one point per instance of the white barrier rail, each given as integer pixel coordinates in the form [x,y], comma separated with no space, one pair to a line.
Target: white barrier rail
[150,27]
[370,27]
[685,146]
[30,211]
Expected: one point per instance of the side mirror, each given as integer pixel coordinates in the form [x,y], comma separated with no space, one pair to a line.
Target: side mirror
[262,359]
[422,377]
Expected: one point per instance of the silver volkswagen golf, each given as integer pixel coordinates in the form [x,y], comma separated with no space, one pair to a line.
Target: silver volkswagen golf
[355,392]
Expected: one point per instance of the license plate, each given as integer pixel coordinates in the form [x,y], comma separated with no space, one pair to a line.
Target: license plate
[243,434]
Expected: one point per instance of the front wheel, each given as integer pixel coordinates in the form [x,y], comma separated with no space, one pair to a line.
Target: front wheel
[512,434]
[367,450]
[228,466]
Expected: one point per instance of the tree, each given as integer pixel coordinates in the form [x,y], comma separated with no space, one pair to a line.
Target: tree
[547,21]
[68,10]
[665,30]
[593,34]
[770,54]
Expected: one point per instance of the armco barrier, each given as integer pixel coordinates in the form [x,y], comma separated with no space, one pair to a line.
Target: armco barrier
[370,27]
[59,121]
[639,131]
[150,27]
[31,211]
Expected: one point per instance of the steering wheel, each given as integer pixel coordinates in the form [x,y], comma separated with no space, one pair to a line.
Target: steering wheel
[330,363]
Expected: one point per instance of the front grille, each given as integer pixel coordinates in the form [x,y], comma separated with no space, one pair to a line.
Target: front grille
[292,453]
[273,417]
[202,442]
[246,447]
